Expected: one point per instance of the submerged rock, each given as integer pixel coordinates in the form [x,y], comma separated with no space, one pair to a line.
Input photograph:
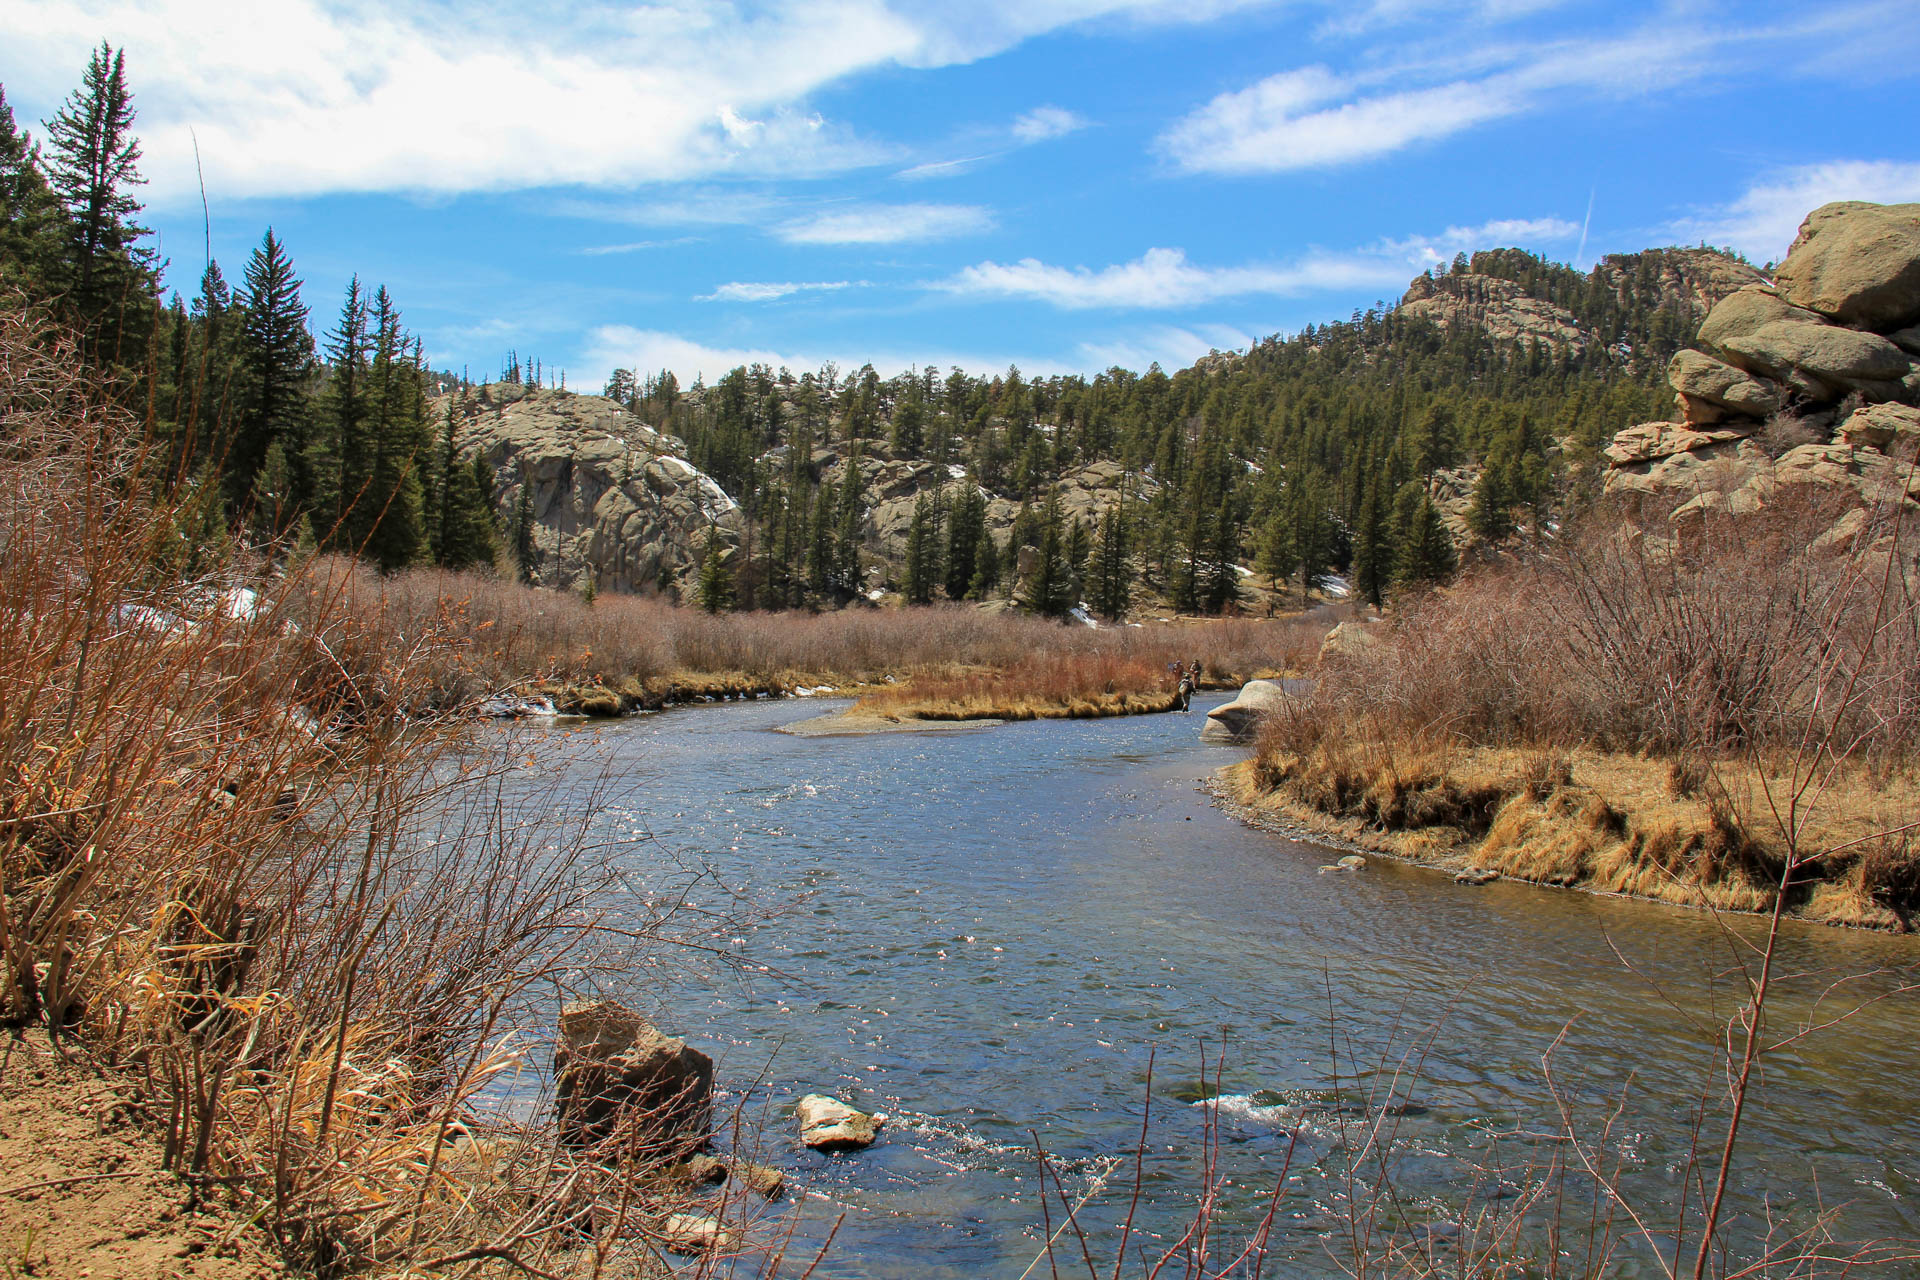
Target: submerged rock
[827,1124]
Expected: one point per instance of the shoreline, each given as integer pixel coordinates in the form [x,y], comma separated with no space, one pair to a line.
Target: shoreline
[1289,819]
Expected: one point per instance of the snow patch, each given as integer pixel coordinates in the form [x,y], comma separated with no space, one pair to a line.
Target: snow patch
[1336,586]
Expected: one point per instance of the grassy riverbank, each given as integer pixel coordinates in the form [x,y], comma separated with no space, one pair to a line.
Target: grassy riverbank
[1726,729]
[619,654]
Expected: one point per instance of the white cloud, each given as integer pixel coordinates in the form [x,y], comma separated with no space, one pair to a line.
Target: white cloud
[1043,123]
[886,224]
[624,346]
[767,291]
[1171,346]
[301,97]
[1165,279]
[1763,221]
[619,346]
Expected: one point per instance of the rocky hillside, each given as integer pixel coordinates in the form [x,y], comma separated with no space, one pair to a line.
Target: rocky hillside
[613,500]
[1808,384]
[1246,458]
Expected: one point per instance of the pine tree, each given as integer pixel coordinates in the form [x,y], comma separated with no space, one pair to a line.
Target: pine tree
[1277,558]
[1048,587]
[338,452]
[967,541]
[849,517]
[524,548]
[93,165]
[276,359]
[1112,572]
[385,523]
[1373,545]
[1491,515]
[716,574]
[27,206]
[925,535]
[1425,549]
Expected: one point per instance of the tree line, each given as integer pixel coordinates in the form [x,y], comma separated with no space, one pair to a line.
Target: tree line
[271,435]
[1320,454]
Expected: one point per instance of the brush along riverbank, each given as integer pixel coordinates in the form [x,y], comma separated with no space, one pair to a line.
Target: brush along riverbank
[1683,834]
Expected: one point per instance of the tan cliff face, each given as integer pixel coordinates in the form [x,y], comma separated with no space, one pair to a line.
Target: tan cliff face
[614,501]
[1808,385]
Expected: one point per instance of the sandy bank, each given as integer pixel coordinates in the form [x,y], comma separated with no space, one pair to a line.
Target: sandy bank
[853,722]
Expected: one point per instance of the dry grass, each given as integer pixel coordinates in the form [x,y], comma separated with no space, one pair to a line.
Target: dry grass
[1042,686]
[1674,720]
[626,652]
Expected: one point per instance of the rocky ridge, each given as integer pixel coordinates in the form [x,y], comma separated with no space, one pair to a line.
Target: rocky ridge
[1808,384]
[1510,311]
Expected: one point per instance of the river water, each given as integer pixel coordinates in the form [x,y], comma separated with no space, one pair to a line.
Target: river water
[991,934]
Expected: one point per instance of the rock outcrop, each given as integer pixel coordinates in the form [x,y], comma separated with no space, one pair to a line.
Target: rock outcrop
[1239,721]
[1806,386]
[618,1076]
[614,501]
[1503,308]
[1686,281]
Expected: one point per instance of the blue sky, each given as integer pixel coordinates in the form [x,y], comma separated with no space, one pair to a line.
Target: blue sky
[1065,184]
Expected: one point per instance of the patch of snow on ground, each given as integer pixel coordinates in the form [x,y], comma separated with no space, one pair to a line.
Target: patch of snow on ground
[1081,616]
[876,594]
[957,471]
[1336,586]
[1243,571]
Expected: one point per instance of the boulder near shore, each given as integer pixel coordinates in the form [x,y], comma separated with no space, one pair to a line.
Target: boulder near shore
[618,1076]
[1239,721]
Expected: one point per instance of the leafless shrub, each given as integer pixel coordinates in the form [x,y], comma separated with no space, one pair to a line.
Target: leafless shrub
[1785,431]
[237,860]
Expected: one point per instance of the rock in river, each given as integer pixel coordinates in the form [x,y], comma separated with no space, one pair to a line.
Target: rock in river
[616,1074]
[827,1124]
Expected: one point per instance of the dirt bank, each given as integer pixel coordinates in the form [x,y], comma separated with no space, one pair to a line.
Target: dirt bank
[82,1192]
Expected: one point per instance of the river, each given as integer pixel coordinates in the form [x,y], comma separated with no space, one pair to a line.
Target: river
[989,935]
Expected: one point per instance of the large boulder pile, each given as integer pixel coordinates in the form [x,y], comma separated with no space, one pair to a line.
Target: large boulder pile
[615,502]
[1812,380]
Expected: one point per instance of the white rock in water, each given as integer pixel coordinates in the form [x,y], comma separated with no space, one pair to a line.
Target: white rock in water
[827,1124]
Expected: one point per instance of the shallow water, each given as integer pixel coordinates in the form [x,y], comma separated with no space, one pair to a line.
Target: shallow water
[989,935]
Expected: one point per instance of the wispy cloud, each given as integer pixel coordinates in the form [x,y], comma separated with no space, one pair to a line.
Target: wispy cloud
[768,291]
[1315,117]
[1763,220]
[945,168]
[886,224]
[636,246]
[1044,123]
[1165,278]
